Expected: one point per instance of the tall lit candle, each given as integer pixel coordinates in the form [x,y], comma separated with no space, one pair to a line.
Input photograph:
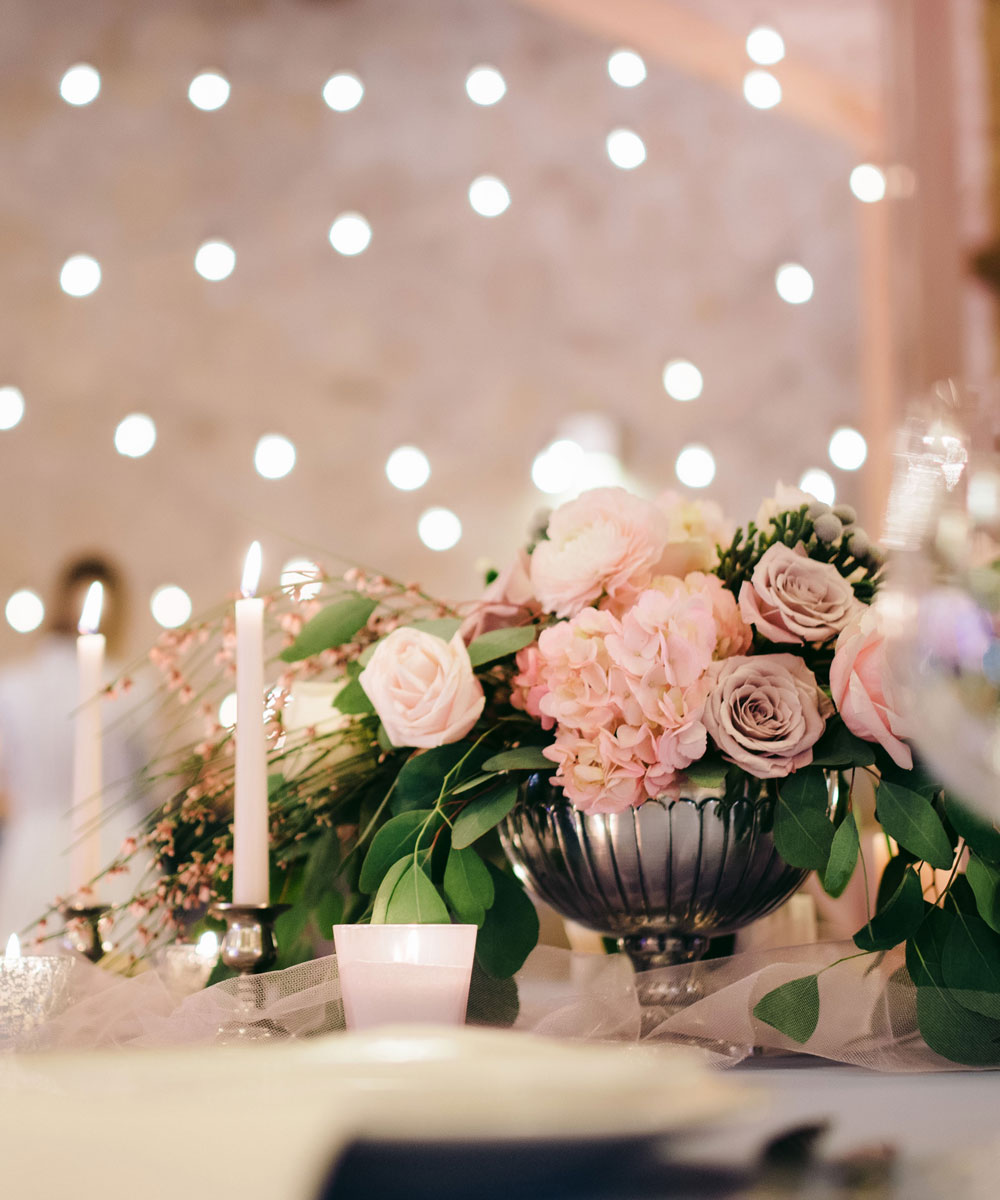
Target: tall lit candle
[85,858]
[250,831]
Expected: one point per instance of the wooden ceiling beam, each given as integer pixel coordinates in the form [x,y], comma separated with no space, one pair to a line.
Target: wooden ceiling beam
[706,50]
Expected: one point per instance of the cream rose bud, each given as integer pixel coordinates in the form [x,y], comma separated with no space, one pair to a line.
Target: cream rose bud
[863,688]
[785,499]
[765,712]
[696,528]
[793,598]
[423,688]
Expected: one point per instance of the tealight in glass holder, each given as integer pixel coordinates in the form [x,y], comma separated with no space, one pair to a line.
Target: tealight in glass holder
[33,988]
[404,974]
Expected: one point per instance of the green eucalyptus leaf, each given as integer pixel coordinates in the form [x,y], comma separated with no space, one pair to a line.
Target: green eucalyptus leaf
[421,777]
[792,1008]
[970,963]
[908,817]
[708,772]
[982,835]
[843,857]
[838,747]
[471,784]
[352,700]
[396,839]
[468,885]
[892,877]
[803,833]
[321,868]
[984,879]
[954,1032]
[499,643]
[510,931]
[524,758]
[328,912]
[925,948]
[380,905]
[416,901]
[897,920]
[332,626]
[482,813]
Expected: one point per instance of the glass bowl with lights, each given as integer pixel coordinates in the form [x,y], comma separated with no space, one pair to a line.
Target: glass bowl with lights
[944,603]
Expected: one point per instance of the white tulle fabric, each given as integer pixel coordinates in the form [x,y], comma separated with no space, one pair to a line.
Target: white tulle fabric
[868,1015]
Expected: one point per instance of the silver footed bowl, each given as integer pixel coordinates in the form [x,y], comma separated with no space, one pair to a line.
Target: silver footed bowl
[663,878]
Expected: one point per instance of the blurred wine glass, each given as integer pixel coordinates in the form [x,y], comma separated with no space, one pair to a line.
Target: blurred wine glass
[941,604]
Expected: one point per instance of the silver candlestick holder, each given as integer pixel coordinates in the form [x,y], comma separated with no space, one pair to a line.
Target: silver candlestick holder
[83,933]
[249,947]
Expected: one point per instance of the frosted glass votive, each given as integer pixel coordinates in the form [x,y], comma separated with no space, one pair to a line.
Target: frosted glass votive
[408,974]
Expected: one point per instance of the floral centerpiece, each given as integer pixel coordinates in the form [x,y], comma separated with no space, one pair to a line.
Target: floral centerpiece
[636,648]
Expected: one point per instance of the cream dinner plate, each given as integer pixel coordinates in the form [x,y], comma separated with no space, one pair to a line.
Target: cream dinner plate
[269,1120]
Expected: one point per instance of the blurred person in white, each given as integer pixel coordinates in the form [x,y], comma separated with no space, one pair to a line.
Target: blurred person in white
[38,696]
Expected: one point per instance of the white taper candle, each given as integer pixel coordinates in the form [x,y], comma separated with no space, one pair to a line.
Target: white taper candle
[85,858]
[250,832]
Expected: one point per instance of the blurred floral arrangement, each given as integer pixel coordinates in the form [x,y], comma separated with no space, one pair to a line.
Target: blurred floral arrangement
[638,648]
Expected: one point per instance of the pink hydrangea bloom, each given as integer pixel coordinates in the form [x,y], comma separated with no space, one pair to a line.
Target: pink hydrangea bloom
[673,631]
[602,774]
[577,670]
[734,635]
[529,685]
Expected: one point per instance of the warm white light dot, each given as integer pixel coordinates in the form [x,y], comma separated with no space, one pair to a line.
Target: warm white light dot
[350,234]
[215,260]
[488,196]
[11,407]
[695,466]
[765,46]
[848,449]
[626,149]
[343,91]
[794,283]
[626,68]
[209,91]
[25,611]
[274,456]
[170,606]
[819,484]
[227,712]
[485,85]
[302,575]
[207,946]
[407,468]
[80,275]
[557,468]
[135,435]
[80,85]
[761,89]
[439,529]
[682,379]
[868,182]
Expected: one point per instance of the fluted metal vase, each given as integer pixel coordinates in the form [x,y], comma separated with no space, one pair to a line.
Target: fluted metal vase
[663,878]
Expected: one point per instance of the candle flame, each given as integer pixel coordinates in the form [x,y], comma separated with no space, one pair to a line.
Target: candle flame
[251,571]
[13,950]
[208,945]
[90,615]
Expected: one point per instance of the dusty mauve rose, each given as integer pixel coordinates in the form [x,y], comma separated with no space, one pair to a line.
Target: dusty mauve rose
[862,687]
[793,598]
[509,600]
[695,528]
[765,712]
[606,541]
[423,688]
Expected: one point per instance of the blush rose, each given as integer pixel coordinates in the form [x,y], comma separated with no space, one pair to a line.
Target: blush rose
[863,689]
[423,688]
